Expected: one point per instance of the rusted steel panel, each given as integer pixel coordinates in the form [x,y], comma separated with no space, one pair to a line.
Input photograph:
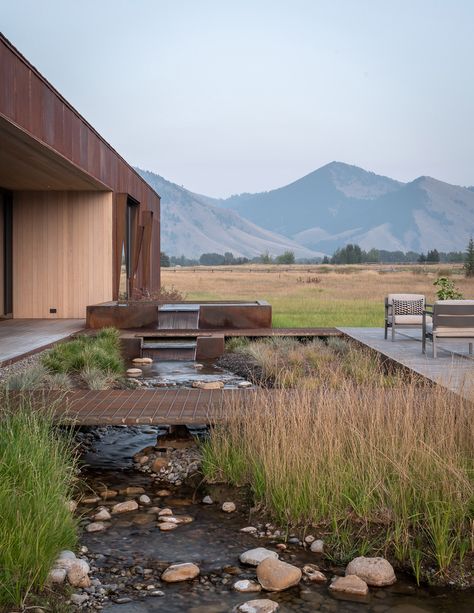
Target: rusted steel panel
[248,316]
[131,315]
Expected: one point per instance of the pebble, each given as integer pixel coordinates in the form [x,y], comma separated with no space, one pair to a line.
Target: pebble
[102,515]
[229,507]
[260,605]
[249,530]
[167,526]
[163,493]
[309,539]
[144,499]
[207,500]
[245,585]
[244,384]
[317,546]
[124,507]
[57,576]
[79,599]
[96,526]
[350,584]
[134,372]
[313,573]
[253,557]
[180,572]
[165,512]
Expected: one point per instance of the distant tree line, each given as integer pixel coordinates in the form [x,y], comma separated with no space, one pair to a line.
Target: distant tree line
[350,254]
[353,254]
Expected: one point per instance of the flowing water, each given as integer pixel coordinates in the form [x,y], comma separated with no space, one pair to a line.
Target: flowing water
[133,551]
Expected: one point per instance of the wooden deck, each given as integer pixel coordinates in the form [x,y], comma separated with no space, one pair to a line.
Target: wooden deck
[22,337]
[453,368]
[144,406]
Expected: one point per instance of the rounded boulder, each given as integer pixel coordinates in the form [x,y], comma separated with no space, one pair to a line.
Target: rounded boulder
[276,576]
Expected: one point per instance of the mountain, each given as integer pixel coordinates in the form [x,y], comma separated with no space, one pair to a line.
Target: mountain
[339,203]
[192,225]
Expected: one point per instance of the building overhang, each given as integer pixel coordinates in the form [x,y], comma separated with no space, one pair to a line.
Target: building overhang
[26,163]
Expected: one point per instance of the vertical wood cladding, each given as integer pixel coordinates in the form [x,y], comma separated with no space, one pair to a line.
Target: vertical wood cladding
[62,252]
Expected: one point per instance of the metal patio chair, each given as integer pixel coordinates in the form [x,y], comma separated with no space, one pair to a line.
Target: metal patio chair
[449,319]
[404,311]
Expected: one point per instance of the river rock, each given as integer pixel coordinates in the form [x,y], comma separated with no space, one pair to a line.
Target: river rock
[158,464]
[309,539]
[106,494]
[96,526]
[374,571]
[144,499]
[317,546]
[78,573]
[133,490]
[248,530]
[253,557]
[124,507]
[245,585]
[208,385]
[165,512]
[142,361]
[163,493]
[276,576]
[90,500]
[350,584]
[134,372]
[167,526]
[313,573]
[79,599]
[71,505]
[260,605]
[66,554]
[207,500]
[180,572]
[229,507]
[244,384]
[57,576]
[102,515]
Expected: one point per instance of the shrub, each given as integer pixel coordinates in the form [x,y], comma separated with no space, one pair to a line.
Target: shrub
[37,476]
[29,379]
[446,289]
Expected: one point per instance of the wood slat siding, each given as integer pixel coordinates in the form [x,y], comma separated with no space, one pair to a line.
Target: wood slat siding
[29,103]
[62,252]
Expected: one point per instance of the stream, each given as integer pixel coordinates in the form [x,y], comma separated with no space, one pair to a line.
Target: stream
[130,555]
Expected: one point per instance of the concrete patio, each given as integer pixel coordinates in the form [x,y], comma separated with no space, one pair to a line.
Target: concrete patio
[453,368]
[21,337]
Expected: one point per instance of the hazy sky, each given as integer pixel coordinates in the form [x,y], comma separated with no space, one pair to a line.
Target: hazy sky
[226,96]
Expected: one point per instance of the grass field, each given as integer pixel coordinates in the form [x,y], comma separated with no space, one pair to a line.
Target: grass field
[314,295]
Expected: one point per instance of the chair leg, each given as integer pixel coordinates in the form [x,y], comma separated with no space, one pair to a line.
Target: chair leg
[470,348]
[423,343]
[393,331]
[386,330]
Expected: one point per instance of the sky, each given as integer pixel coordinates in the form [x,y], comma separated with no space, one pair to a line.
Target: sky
[232,96]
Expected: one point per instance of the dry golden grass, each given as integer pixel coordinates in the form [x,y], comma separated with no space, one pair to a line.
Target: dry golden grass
[374,468]
[344,295]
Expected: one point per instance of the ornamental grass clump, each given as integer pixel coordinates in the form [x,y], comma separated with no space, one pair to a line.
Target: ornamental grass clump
[37,471]
[86,354]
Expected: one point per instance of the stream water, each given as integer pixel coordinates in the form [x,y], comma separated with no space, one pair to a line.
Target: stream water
[133,552]
[182,373]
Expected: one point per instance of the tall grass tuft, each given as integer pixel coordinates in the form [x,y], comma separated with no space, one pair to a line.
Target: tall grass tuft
[36,476]
[385,470]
